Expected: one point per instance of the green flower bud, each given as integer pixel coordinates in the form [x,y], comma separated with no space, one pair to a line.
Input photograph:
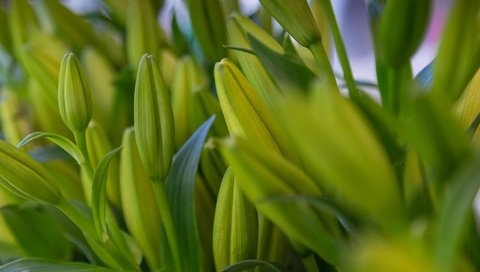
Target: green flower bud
[187,78]
[102,77]
[153,119]
[74,99]
[253,163]
[209,28]
[238,28]
[296,18]
[402,28]
[142,31]
[14,117]
[235,225]
[246,114]
[138,201]
[25,177]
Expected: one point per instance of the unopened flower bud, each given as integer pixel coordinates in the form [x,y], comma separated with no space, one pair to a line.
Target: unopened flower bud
[153,118]
[74,98]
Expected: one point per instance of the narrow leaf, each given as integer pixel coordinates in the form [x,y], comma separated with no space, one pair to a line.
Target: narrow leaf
[57,139]
[454,210]
[180,187]
[248,264]
[99,193]
[37,264]
[287,70]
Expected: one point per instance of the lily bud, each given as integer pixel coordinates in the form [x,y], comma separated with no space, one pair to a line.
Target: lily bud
[187,78]
[467,107]
[234,226]
[13,116]
[206,19]
[23,176]
[138,201]
[238,29]
[296,18]
[74,99]
[142,31]
[402,28]
[153,119]
[253,163]
[245,112]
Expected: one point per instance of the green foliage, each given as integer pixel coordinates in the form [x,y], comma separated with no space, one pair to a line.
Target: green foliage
[317,180]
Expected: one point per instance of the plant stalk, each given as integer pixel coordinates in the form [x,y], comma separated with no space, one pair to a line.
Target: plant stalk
[310,263]
[167,221]
[324,64]
[340,46]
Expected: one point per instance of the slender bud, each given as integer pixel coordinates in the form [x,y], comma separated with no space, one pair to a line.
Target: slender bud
[153,118]
[102,77]
[138,201]
[245,112]
[300,221]
[187,78]
[467,107]
[74,99]
[207,23]
[325,143]
[296,18]
[238,28]
[13,116]
[234,227]
[25,177]
[402,28]
[142,31]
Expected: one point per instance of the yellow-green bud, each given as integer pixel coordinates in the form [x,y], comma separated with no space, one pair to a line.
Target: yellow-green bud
[74,98]
[235,225]
[238,28]
[25,177]
[209,28]
[297,19]
[142,31]
[138,201]
[153,119]
[188,77]
[246,114]
[402,28]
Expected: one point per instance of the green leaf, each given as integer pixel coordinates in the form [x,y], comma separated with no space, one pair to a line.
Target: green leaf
[289,71]
[99,193]
[180,189]
[455,209]
[36,232]
[248,264]
[37,264]
[440,141]
[57,139]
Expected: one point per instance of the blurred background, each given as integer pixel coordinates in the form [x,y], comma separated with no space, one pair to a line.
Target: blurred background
[353,23]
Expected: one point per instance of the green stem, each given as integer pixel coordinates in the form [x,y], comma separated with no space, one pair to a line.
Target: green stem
[84,223]
[86,165]
[114,231]
[310,263]
[167,220]
[323,62]
[340,46]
